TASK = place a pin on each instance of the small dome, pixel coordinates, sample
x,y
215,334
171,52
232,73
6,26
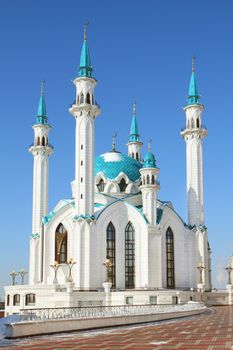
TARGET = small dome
x,y
113,163
149,161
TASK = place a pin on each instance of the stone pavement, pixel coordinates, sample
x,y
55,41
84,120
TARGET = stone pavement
x,y
212,330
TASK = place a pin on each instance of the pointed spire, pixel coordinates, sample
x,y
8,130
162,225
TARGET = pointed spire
x,y
193,96
114,136
134,135
41,112
85,68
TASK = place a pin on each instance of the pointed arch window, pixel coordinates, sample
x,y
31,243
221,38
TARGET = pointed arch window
x,y
170,258
148,179
137,156
38,141
198,123
129,256
101,185
122,185
88,98
110,252
43,141
61,244
81,98
153,180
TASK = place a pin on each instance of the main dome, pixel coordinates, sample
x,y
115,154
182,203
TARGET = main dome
x,y
113,163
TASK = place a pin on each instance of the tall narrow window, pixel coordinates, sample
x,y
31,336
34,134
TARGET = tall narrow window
x,y
137,156
88,98
129,256
61,244
122,185
43,141
198,123
101,185
110,252
153,179
147,179
170,258
38,141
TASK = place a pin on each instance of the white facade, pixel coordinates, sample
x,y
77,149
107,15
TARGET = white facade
x,y
114,212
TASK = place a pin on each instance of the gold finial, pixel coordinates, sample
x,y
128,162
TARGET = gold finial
x,y
193,63
134,108
149,145
114,141
85,30
42,87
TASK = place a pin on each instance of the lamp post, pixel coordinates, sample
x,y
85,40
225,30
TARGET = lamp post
x,y
70,263
108,264
228,268
55,267
200,268
13,274
22,273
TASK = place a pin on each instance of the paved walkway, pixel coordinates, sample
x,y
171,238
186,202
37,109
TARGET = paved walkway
x,y
212,330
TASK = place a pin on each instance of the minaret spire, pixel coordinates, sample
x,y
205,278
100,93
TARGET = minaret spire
x,y
41,112
193,96
134,144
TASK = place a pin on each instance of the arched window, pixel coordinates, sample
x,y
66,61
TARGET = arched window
x,y
30,299
81,98
38,141
170,258
129,256
8,300
153,179
110,251
148,179
198,123
61,244
43,141
122,185
132,155
88,98
137,156
16,300
101,185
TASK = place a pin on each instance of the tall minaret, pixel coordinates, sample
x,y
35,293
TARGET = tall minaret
x,y
134,144
85,109
193,134
41,150
149,187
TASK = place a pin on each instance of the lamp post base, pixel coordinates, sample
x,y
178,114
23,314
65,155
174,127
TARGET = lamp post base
x,y
200,287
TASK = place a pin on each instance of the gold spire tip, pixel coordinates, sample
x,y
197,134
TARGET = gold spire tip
x,y
193,63
134,108
85,30
42,87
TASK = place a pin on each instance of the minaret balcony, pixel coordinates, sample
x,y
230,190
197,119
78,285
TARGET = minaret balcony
x,y
202,131
76,108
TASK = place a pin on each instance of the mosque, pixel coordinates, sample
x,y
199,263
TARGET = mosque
x,y
113,241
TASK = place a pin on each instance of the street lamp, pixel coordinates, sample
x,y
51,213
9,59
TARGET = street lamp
x,y
108,264
55,267
22,273
70,263
228,268
200,268
13,274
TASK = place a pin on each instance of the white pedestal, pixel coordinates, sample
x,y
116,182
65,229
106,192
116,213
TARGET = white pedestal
x,y
70,287
107,287
200,287
229,287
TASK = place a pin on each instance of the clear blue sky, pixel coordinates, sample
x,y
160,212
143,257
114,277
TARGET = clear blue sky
x,y
141,50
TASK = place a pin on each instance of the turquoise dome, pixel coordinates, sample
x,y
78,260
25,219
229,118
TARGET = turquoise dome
x,y
113,163
149,161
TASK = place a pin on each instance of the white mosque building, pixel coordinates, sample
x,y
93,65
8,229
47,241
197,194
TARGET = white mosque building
x,y
114,213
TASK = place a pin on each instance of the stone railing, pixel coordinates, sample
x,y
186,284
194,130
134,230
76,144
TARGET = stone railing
x,y
103,311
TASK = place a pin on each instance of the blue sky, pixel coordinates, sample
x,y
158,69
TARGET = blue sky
x,y
141,50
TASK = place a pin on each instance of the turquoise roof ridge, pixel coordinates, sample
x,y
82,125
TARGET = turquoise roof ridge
x,y
111,164
134,134
149,160
41,112
85,68
193,96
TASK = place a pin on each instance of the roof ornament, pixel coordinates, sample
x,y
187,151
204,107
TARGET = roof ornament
x,y
134,108
193,63
42,87
85,30
149,145
114,142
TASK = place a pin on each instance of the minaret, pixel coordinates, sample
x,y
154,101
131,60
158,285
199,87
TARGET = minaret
x,y
85,109
41,150
134,144
194,134
149,187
